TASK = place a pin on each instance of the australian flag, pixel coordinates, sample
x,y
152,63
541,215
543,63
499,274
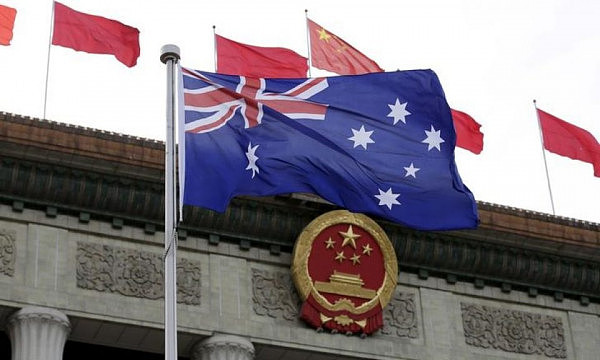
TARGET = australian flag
x,y
380,143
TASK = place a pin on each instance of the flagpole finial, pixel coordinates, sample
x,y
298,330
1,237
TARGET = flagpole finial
x,y
534,101
169,52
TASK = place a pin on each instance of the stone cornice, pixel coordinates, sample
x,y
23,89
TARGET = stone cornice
x,y
73,169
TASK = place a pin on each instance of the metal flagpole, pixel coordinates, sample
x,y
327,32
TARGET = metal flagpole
x,y
48,58
308,42
544,154
169,55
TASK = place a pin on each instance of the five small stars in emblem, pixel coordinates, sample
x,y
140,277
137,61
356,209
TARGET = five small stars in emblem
x,y
349,239
433,139
361,137
398,112
252,158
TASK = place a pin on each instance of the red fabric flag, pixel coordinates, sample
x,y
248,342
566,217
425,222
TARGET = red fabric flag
x,y
235,58
568,140
95,34
7,21
468,135
329,52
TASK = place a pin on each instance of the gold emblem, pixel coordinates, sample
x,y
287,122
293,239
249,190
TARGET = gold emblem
x,y
345,263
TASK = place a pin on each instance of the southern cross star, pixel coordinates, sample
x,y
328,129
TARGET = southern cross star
x,y
433,139
398,112
388,198
252,158
361,137
411,170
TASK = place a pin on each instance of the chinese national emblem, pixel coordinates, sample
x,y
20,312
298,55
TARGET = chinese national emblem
x,y
345,270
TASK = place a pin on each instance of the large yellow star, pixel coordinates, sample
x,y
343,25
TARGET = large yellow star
x,y
323,35
349,237
329,243
355,259
340,256
367,249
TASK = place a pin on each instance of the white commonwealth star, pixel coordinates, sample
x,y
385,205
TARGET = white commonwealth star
x,y
433,139
398,112
411,170
252,158
361,137
388,198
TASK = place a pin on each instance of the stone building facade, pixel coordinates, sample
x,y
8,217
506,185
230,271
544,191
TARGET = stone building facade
x,y
81,252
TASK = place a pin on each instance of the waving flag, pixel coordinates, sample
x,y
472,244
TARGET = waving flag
x,y
235,58
379,143
7,21
95,34
568,140
329,52
468,135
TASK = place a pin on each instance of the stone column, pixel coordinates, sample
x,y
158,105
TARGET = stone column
x,y
38,333
223,347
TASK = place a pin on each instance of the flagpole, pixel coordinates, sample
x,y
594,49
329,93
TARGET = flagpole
x,y
170,56
48,59
215,45
308,42
544,154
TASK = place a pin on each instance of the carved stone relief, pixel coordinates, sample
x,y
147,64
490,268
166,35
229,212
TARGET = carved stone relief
x,y
400,317
132,272
8,252
274,295
513,331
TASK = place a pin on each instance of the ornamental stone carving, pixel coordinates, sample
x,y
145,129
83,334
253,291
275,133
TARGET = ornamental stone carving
x,y
513,331
273,295
7,252
400,317
132,272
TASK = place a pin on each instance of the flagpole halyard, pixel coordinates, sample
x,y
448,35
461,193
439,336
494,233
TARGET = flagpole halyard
x,y
544,155
170,56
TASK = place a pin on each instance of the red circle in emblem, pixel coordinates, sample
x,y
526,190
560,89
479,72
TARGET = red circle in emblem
x,y
345,261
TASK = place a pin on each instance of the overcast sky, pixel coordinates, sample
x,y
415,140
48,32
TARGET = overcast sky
x,y
493,59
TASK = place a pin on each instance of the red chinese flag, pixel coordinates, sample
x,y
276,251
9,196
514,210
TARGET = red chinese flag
x,y
568,140
468,135
235,58
329,52
7,21
95,34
